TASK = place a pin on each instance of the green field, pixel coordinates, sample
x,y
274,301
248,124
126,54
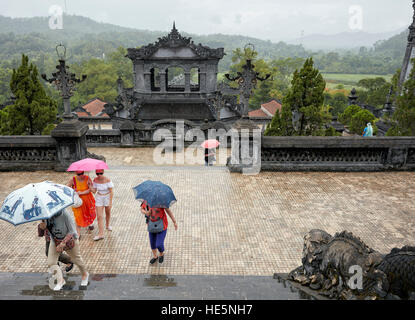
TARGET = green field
x,y
351,79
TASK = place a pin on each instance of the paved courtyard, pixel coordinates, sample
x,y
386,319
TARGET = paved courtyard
x,y
229,224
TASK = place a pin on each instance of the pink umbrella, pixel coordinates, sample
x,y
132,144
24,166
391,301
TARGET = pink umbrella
x,y
210,144
87,164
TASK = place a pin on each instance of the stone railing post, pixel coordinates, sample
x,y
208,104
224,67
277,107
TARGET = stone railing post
x,y
70,136
127,134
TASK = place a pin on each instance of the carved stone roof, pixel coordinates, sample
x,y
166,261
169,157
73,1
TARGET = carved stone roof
x,y
174,40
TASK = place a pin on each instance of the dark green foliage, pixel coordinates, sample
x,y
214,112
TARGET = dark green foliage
x,y
346,117
376,90
337,102
305,95
359,121
404,115
330,131
33,112
357,118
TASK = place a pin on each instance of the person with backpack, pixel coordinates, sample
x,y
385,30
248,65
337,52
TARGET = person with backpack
x,y
64,237
157,223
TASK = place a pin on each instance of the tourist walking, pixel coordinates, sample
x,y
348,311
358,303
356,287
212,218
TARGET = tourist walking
x,y
63,257
64,237
368,132
103,189
210,150
157,216
85,214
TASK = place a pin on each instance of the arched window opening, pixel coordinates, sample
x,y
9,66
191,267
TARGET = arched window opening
x,y
175,79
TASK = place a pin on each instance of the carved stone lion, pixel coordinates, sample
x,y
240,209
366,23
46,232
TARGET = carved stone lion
x,y
344,267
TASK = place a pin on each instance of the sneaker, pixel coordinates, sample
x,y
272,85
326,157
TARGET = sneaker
x,y
59,286
84,283
109,228
161,259
153,260
97,238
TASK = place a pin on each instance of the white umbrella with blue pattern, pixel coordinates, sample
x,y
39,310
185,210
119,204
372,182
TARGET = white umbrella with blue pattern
x,y
36,201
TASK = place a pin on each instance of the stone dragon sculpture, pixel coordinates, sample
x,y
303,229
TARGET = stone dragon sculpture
x,y
344,267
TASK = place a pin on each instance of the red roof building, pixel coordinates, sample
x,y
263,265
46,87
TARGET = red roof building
x,y
267,110
93,108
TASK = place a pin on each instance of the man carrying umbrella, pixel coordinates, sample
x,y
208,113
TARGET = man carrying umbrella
x,y
47,201
64,237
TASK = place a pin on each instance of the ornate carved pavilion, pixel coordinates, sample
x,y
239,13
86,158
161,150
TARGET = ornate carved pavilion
x,y
174,79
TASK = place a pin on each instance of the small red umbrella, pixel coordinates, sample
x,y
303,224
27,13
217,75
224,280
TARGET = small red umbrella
x,y
210,144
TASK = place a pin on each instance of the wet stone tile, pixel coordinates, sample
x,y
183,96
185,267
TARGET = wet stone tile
x,y
229,224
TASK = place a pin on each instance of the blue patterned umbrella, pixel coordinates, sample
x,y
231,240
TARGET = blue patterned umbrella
x,y
36,201
155,193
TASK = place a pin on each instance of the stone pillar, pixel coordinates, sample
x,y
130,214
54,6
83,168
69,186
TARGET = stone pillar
x,y
70,136
163,83
139,83
147,81
245,147
187,81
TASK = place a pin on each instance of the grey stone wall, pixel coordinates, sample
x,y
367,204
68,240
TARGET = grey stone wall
x,y
27,153
337,153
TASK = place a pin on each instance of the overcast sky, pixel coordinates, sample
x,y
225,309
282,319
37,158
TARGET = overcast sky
x,y
265,19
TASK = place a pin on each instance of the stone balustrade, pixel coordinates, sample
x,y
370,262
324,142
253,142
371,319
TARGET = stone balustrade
x,y
337,153
28,153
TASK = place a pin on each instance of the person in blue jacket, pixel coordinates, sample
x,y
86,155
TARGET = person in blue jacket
x,y
368,132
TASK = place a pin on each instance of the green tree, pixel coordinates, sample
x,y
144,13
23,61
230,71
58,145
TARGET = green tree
x,y
337,102
404,116
101,82
280,124
359,121
306,95
5,75
33,112
346,117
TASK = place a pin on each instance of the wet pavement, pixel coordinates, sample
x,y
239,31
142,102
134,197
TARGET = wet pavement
x,y
231,226
34,286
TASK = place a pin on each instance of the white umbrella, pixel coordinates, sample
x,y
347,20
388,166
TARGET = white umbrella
x,y
36,201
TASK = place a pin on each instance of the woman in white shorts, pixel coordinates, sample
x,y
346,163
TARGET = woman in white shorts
x,y
103,187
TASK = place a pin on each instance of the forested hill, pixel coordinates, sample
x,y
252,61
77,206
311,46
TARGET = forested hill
x,y
393,47
71,23
86,39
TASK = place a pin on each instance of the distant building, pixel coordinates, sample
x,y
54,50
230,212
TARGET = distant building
x,y
263,115
93,113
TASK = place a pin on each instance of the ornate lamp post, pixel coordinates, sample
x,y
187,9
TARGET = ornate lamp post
x,y
70,134
247,80
64,82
